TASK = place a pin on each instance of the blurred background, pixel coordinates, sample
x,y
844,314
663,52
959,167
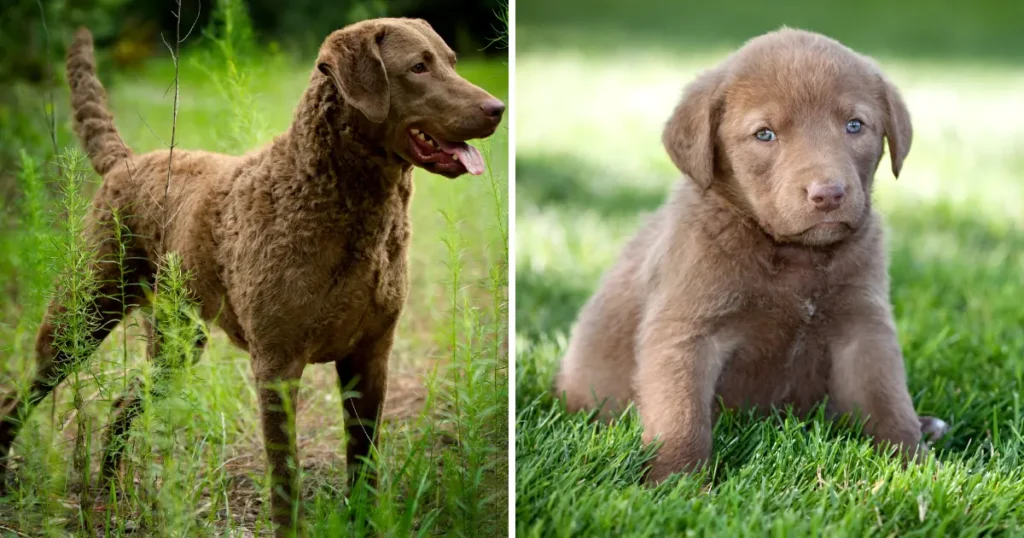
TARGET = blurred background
x,y
130,28
241,71
595,82
128,35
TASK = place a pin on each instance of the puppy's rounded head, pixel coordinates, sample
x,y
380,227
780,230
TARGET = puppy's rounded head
x,y
790,129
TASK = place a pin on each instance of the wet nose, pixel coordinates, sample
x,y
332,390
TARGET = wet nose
x,y
826,196
493,108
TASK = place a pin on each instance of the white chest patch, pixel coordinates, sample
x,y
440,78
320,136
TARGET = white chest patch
x,y
809,308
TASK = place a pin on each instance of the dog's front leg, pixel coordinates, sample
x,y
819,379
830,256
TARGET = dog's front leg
x,y
868,378
365,372
277,383
677,370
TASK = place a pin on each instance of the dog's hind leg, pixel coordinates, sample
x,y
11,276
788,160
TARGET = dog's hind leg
x,y
131,404
365,372
54,362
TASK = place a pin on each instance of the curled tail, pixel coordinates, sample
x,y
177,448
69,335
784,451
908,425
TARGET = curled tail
x,y
94,124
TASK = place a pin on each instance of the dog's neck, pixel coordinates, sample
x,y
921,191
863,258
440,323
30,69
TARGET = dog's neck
x,y
334,140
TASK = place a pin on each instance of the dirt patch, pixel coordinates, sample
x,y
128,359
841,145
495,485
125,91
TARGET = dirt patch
x,y
321,441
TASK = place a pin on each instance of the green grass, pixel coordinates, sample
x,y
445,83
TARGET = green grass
x,y
593,91
195,460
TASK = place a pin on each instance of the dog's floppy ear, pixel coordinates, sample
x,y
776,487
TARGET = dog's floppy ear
x,y
689,136
352,59
898,130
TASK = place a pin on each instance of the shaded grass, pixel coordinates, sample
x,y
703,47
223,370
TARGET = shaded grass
x,y
197,456
587,175
932,31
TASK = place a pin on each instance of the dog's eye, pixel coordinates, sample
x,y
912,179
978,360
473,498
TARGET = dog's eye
x,y
765,135
854,126
419,68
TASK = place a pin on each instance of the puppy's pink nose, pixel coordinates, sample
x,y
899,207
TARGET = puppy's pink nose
x,y
493,108
826,196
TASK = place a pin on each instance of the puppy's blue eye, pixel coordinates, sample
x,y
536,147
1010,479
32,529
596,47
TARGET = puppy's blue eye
x,y
854,126
765,135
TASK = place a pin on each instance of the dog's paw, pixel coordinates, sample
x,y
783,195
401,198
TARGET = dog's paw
x,y
663,468
932,429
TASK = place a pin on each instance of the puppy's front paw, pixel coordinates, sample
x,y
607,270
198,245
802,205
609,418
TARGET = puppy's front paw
x,y
932,429
660,471
666,464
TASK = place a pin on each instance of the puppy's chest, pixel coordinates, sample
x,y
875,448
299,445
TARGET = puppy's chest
x,y
782,356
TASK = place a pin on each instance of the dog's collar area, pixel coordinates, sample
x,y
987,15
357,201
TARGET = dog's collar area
x,y
780,254
365,148
350,128
799,256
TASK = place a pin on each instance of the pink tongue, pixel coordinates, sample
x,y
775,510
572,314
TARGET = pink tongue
x,y
470,157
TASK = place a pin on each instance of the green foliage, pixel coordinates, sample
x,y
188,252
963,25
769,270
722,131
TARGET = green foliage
x,y
33,227
231,31
309,21
175,319
75,254
21,30
24,132
231,63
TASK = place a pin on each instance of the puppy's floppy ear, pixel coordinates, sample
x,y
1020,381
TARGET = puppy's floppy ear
x,y
689,136
898,130
352,59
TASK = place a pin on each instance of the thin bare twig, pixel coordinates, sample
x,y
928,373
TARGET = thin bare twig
x,y
51,114
174,118
199,9
175,56
15,531
129,163
175,214
170,157
169,86
146,123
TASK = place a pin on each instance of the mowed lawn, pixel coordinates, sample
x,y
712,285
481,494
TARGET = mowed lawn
x,y
197,460
593,94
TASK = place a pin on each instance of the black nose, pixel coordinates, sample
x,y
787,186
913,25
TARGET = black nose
x,y
493,108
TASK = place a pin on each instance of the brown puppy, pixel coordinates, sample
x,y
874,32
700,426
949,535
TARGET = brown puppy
x,y
763,280
298,249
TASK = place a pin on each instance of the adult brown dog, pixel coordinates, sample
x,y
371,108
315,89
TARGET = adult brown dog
x,y
763,280
299,249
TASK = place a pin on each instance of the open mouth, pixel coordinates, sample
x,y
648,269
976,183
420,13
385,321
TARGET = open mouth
x,y
444,157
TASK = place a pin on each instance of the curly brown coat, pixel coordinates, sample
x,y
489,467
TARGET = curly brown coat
x,y
298,250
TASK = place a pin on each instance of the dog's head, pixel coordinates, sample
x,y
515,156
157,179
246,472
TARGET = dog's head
x,y
790,129
400,74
